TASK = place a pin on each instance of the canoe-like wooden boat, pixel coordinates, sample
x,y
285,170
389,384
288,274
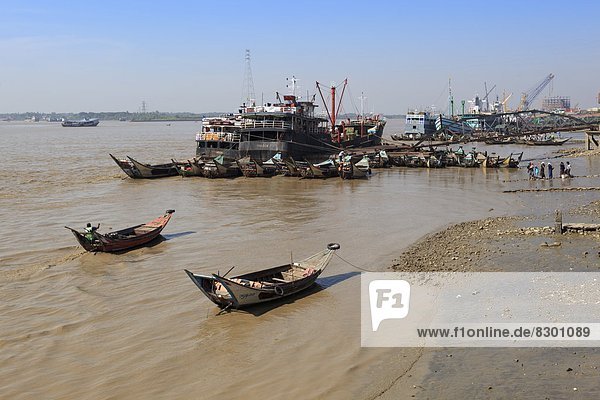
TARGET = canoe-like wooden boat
x,y
251,168
192,167
547,142
353,167
138,170
322,170
123,239
221,167
265,285
510,161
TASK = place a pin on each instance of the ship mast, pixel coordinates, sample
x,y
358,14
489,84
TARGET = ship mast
x,y
334,109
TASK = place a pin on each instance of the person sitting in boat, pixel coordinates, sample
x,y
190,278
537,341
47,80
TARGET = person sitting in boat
x,y
89,231
460,151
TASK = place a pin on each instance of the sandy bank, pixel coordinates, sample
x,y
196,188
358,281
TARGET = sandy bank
x,y
504,244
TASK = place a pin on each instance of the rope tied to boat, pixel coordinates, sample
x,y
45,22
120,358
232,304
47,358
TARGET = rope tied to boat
x,y
352,265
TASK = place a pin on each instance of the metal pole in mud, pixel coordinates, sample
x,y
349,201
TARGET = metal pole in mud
x,y
558,225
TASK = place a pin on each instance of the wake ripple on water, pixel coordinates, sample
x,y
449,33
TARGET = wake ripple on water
x,y
8,274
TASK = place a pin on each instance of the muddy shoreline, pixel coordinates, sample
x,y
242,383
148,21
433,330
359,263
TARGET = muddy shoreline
x,y
524,243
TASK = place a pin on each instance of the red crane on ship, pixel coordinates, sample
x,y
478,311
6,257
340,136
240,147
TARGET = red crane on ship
x,y
335,109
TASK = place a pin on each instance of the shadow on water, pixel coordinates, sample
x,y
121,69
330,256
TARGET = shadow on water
x,y
321,284
335,279
178,234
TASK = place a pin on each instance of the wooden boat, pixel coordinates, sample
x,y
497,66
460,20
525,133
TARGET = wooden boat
x,y
434,162
499,140
380,160
325,169
221,167
490,161
354,167
510,162
123,239
265,285
251,168
547,142
190,168
138,170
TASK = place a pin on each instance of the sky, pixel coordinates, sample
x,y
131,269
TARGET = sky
x,y
73,56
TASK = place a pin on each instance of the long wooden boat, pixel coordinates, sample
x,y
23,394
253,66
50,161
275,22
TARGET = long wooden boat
x,y
322,170
220,167
251,168
138,170
265,285
123,239
353,167
190,168
547,142
510,161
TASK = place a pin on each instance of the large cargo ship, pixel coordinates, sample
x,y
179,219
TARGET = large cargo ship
x,y
289,126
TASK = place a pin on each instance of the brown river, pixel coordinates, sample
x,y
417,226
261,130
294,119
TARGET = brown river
x,y
105,326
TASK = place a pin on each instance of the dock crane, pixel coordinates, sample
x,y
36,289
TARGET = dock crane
x,y
527,98
485,98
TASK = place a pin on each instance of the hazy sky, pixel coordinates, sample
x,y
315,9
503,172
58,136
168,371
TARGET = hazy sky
x,y
189,56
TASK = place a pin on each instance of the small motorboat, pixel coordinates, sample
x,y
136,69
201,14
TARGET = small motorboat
x,y
265,285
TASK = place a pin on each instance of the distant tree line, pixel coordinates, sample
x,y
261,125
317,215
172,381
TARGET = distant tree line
x,y
116,116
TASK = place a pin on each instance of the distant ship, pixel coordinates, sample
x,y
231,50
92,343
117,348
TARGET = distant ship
x,y
83,122
289,126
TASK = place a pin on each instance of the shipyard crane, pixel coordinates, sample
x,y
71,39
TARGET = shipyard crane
x,y
485,98
504,106
527,98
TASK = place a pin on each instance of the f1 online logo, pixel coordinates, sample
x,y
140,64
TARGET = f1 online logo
x,y
389,299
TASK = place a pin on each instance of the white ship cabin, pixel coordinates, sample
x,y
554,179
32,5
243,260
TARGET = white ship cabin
x,y
286,115
418,124
225,128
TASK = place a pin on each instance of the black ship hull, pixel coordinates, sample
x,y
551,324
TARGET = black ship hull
x,y
310,148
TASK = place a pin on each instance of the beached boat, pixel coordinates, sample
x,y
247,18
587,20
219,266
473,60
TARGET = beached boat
x,y
123,239
83,122
547,142
265,285
138,170
500,140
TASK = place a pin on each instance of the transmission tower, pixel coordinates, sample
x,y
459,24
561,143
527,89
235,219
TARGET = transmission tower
x,y
143,107
248,97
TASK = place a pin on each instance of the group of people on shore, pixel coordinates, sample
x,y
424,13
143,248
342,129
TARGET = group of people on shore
x,y
539,171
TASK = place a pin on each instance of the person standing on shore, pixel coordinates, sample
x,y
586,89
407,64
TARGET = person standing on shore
x,y
536,171
530,170
568,170
542,170
550,168
562,169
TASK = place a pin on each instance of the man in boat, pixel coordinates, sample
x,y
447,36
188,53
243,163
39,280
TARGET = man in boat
x,y
89,231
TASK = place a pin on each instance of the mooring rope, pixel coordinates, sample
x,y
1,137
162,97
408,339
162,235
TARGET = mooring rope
x,y
352,265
